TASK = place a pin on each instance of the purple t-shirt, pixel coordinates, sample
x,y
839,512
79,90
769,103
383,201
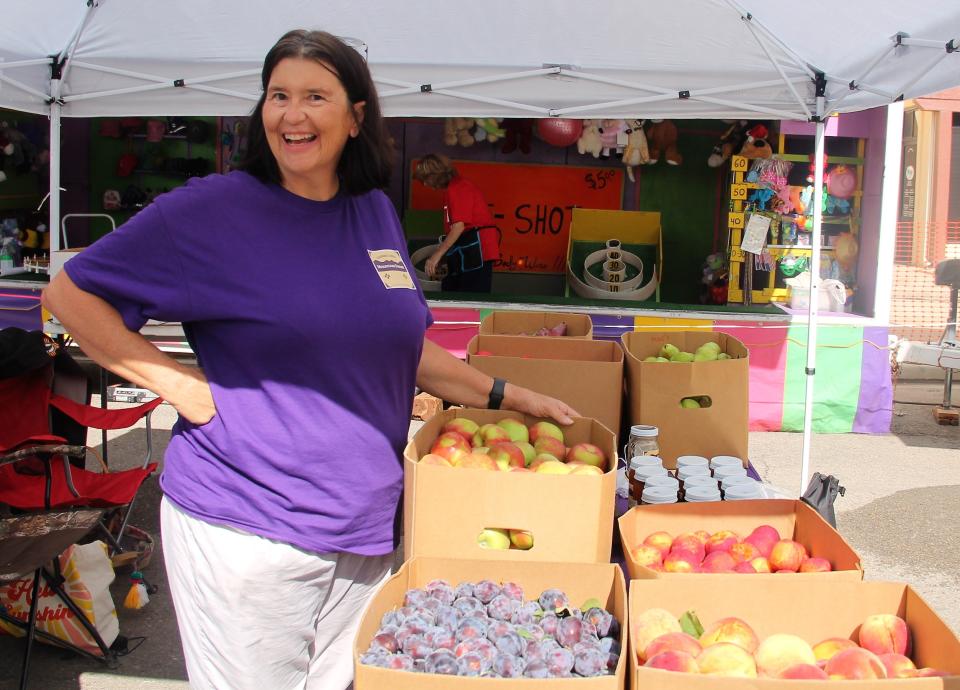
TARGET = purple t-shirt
x,y
311,357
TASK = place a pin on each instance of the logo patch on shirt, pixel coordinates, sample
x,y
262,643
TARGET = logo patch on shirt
x,y
391,269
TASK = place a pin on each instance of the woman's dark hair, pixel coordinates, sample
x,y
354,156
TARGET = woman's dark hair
x,y
367,160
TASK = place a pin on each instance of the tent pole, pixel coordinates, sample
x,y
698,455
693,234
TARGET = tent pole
x,y
814,296
54,201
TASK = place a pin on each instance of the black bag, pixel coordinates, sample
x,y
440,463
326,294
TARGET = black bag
x,y
821,494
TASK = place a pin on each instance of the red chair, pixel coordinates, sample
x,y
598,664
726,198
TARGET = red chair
x,y
48,500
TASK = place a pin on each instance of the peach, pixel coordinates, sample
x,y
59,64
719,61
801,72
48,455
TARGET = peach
x,y
541,429
721,541
516,429
476,461
744,552
488,434
680,563
744,568
673,661
884,632
434,459
761,565
726,659
689,545
587,453
463,426
786,554
815,565
825,649
650,625
673,642
718,562
521,539
803,672
506,455
855,664
646,555
551,446
660,541
553,467
732,631
763,537
780,651
897,665
703,535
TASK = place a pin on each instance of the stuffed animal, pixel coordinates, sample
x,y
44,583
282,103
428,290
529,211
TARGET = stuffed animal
x,y
662,141
17,147
636,152
610,131
519,134
488,129
730,141
589,141
756,144
456,130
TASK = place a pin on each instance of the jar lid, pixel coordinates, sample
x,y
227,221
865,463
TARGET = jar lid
x,y
729,471
692,461
638,461
658,495
741,491
644,472
643,430
662,480
702,492
718,460
699,480
736,479
685,473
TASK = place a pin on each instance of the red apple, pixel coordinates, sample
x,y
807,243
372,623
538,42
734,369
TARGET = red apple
x,y
450,445
540,429
587,453
506,455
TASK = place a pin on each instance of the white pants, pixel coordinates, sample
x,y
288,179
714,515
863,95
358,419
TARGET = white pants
x,y
261,615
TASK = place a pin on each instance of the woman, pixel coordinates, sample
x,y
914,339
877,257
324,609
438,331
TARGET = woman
x,y
472,241
282,478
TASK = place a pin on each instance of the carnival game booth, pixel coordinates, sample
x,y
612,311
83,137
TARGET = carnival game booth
x,y
728,61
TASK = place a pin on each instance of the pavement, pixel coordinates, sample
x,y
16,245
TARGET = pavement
x,y
899,513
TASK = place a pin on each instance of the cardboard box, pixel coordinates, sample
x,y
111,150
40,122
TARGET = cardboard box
x,y
809,608
529,322
793,519
655,390
585,374
60,257
581,581
445,509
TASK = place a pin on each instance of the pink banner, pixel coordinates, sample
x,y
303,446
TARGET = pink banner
x,y
452,329
768,353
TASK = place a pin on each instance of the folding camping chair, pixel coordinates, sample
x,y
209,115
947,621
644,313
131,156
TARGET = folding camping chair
x,y
49,498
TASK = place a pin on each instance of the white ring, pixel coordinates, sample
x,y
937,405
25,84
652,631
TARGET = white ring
x,y
427,283
601,255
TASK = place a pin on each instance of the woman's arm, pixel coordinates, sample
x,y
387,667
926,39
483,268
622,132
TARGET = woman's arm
x,y
99,330
443,375
453,234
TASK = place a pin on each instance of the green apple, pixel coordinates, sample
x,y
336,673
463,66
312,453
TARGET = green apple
x,y
669,350
494,538
545,429
463,426
689,403
488,434
682,357
528,452
588,454
515,428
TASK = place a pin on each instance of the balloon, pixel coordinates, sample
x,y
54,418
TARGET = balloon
x,y
559,131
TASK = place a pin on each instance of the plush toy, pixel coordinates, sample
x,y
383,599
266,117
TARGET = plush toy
x,y
519,134
488,129
730,141
756,144
589,141
17,147
456,130
610,131
636,152
714,280
662,141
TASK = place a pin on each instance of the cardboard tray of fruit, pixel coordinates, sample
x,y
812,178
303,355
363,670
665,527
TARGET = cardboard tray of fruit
x,y
396,631
558,495
790,633
755,537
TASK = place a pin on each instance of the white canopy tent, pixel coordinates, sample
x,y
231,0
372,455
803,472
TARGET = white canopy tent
x,y
506,58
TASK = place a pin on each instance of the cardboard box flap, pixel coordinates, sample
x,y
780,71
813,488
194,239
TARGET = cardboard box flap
x,y
528,322
545,348
581,581
811,609
641,344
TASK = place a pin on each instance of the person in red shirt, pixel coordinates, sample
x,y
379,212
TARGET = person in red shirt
x,y
472,242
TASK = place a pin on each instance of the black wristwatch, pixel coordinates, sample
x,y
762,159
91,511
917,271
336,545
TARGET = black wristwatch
x,y
496,394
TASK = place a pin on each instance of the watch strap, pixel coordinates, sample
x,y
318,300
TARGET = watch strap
x,y
496,394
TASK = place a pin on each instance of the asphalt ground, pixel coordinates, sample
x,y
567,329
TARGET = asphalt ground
x,y
899,513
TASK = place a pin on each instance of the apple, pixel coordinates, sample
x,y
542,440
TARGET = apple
x,y
507,455
540,459
521,539
553,467
516,429
494,538
549,429
450,445
463,426
433,459
528,452
476,461
551,446
489,433
588,454
668,351
580,468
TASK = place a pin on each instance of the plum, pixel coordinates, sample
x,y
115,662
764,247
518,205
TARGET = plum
x,y
549,623
399,662
591,662
509,643
468,606
447,617
529,612
569,631
512,590
602,620
374,657
486,590
416,646
559,662
464,589
502,607
385,641
471,627
440,638
509,666
536,669
394,618
470,664
414,597
553,599
442,661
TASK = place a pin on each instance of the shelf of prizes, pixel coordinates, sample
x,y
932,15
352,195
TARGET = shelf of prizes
x,y
530,586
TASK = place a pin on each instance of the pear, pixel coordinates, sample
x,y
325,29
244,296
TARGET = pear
x,y
724,355
689,403
704,356
682,357
668,350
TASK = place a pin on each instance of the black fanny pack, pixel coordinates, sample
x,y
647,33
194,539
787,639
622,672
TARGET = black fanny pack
x,y
466,254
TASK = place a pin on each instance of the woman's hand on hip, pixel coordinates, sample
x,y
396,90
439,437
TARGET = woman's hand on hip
x,y
194,399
